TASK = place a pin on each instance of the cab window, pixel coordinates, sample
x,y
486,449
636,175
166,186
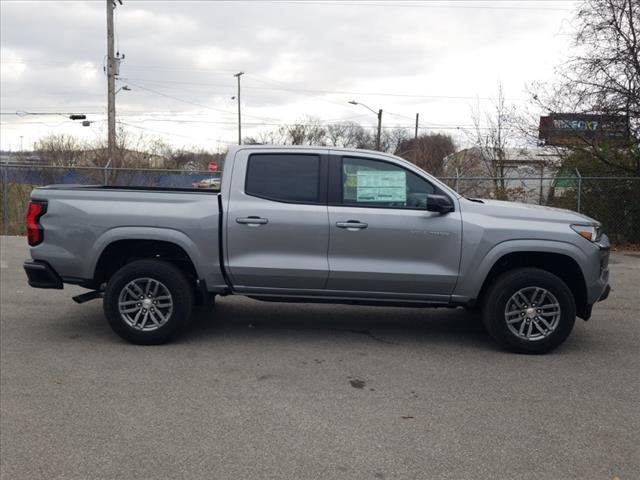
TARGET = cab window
x,y
374,183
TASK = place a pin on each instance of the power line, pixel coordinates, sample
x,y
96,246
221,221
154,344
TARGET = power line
x,y
263,124
418,5
190,102
335,92
93,66
173,133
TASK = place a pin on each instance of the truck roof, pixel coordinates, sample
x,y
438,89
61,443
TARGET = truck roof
x,y
235,148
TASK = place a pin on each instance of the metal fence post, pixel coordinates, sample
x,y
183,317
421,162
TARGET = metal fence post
x,y
579,188
457,180
105,173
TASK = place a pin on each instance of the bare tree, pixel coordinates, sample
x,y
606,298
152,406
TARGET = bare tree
x,y
309,131
602,77
348,135
391,139
60,150
492,135
428,151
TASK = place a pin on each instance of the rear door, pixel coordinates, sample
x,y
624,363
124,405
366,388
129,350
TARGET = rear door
x,y
382,238
277,220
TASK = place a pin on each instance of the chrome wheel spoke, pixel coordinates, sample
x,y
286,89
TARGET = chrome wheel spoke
x,y
542,298
537,325
522,325
534,296
137,287
129,310
544,322
135,319
144,320
128,302
516,299
152,315
162,317
550,309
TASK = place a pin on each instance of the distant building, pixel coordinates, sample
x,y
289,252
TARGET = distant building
x,y
527,172
22,158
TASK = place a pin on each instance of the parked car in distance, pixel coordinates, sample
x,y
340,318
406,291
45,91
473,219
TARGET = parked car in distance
x,y
212,183
318,224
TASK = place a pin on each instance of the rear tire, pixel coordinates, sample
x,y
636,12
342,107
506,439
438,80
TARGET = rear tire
x,y
529,310
148,302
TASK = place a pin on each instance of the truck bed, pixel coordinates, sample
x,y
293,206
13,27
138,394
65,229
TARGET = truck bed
x,y
83,220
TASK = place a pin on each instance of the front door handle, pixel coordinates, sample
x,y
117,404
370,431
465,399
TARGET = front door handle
x,y
252,221
352,225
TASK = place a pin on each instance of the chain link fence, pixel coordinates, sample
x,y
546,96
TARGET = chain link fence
x,y
614,201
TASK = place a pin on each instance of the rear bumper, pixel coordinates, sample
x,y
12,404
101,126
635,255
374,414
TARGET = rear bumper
x,y
42,275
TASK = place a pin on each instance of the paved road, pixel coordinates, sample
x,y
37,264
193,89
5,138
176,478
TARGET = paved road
x,y
258,390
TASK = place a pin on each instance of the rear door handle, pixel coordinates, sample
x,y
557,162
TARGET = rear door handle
x,y
352,225
252,221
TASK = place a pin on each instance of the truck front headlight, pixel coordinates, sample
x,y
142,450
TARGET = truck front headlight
x,y
591,232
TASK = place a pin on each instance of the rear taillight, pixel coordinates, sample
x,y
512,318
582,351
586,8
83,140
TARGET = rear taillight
x,y
35,232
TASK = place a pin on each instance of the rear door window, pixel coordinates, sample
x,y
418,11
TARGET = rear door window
x,y
292,178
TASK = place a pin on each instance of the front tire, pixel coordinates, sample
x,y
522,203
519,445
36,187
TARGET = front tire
x,y
148,302
529,310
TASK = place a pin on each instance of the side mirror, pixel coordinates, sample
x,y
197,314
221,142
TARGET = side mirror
x,y
439,203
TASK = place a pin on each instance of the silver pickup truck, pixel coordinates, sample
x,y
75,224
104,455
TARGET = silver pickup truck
x,y
318,224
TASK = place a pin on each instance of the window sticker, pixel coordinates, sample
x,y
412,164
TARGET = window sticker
x,y
381,186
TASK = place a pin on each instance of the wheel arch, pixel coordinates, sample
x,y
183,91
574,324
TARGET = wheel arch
x,y
561,265
560,258
119,246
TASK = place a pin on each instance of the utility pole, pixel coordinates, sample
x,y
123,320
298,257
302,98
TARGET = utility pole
x,y
238,75
415,141
379,129
111,87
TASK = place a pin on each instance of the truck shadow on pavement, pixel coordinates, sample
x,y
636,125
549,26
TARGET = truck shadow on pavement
x,y
241,317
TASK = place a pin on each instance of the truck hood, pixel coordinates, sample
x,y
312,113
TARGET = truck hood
x,y
520,211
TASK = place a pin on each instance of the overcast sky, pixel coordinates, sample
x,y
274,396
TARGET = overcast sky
x,y
440,59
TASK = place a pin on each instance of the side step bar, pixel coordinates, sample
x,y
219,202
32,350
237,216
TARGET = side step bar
x,y
85,297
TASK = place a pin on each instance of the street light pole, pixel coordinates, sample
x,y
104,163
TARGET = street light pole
x,y
379,115
238,75
111,87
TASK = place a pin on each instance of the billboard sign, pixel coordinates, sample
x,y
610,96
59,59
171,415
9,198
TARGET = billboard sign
x,y
574,129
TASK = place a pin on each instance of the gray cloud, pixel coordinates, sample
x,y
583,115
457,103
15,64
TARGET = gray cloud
x,y
53,53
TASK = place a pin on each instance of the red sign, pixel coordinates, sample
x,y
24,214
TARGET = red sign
x,y
213,167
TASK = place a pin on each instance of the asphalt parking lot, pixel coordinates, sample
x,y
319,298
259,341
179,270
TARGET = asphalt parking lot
x,y
261,390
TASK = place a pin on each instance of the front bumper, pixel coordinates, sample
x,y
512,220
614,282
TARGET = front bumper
x,y
42,275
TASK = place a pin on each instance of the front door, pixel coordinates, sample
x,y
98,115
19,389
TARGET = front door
x,y
277,221
382,238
